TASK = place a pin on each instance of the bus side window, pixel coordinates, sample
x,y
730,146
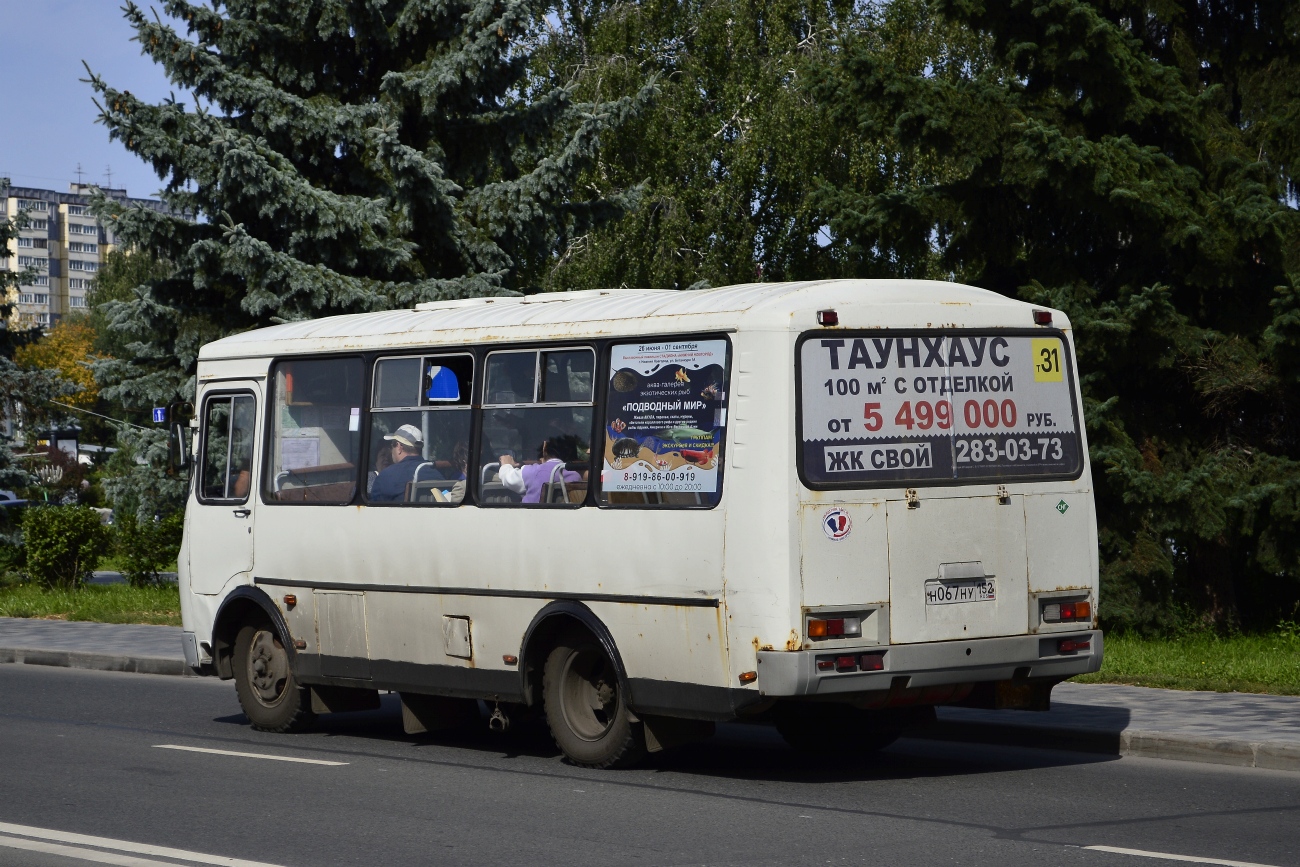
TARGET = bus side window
x,y
226,464
535,444
315,432
665,422
419,430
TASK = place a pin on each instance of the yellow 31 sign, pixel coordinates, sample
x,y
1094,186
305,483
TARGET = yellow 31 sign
x,y
1046,353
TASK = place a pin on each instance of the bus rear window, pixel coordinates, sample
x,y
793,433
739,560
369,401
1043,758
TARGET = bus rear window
x,y
934,407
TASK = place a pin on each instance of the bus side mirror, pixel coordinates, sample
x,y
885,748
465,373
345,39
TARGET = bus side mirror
x,y
178,453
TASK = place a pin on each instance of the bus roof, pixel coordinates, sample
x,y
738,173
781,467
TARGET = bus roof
x,y
628,312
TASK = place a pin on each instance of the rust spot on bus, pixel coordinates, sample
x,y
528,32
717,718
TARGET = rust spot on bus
x,y
792,643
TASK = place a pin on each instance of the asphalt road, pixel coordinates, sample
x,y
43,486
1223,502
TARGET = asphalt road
x,y
90,772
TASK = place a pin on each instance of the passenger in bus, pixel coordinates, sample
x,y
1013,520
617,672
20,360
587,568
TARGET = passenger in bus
x,y
460,471
383,460
390,484
528,479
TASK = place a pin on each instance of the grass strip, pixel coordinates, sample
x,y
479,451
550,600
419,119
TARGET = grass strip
x,y
1267,663
108,603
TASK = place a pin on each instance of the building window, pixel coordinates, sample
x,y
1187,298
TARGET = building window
x,y
37,226
33,262
42,319
31,205
79,247
41,280
76,283
81,229
25,242
78,265
33,298
76,210
76,301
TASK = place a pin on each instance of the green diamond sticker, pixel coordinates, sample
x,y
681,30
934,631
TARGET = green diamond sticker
x,y
1062,506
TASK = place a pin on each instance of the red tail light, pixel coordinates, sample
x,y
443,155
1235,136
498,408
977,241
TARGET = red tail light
x,y
1073,645
872,662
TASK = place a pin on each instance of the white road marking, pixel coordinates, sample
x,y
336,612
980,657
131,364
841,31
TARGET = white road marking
x,y
82,854
1194,859
48,834
247,755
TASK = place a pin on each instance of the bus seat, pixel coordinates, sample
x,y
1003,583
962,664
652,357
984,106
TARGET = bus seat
x,y
426,492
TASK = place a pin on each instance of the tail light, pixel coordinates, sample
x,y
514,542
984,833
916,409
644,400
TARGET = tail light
x,y
836,627
872,662
1066,612
1073,645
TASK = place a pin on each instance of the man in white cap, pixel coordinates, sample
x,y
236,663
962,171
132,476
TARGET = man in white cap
x,y
390,484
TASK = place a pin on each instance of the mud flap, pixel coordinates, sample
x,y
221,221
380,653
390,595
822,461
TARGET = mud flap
x,y
665,732
340,699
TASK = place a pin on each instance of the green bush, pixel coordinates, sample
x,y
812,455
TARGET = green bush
x,y
64,544
147,548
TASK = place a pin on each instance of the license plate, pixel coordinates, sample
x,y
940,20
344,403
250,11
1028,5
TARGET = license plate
x,y
953,592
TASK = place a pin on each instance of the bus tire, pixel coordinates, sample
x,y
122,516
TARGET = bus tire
x,y
270,695
825,729
586,708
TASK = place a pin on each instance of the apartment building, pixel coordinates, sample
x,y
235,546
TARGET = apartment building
x,y
63,242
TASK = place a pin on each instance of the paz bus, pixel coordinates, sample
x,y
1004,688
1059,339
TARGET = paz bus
x,y
831,506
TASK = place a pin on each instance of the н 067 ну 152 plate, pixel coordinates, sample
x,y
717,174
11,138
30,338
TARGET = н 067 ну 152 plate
x,y
952,592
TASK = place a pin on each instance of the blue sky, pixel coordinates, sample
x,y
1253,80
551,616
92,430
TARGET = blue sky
x,y
48,119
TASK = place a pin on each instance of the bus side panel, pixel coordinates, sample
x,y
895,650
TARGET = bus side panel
x,y
761,505
584,554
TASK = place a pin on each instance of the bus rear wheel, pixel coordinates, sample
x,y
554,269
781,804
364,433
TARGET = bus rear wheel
x,y
586,709
268,692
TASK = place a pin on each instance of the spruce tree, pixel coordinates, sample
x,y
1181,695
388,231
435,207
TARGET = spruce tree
x,y
341,156
1101,157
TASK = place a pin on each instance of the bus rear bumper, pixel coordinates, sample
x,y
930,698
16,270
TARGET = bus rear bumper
x,y
942,663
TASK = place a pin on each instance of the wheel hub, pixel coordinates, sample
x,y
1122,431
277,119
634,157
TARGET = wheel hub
x,y
589,695
268,667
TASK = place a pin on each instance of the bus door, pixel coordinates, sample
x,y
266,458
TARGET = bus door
x,y
221,514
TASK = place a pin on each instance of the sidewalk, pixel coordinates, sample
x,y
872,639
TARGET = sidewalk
x,y
1233,728
1253,731
101,646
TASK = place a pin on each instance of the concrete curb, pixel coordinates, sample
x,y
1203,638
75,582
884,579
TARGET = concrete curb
x,y
1175,746
96,661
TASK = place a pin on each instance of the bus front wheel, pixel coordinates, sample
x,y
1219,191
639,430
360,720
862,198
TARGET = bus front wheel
x,y
268,692
586,709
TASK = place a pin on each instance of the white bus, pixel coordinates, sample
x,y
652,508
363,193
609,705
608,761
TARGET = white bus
x,y
831,505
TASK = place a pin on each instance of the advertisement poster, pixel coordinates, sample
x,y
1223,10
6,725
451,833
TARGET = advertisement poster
x,y
962,406
666,416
